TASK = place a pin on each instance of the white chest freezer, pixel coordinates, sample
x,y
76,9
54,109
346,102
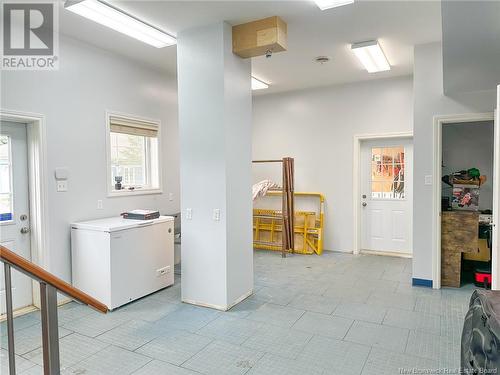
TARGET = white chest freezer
x,y
118,260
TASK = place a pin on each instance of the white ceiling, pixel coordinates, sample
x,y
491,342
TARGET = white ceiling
x,y
398,25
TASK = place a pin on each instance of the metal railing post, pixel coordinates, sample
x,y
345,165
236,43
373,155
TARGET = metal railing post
x,y
50,331
10,319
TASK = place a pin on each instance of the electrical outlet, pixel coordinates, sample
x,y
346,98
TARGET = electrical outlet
x,y
99,204
163,271
189,213
62,185
216,214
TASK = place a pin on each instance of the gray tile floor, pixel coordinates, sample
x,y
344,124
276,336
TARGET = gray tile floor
x,y
334,314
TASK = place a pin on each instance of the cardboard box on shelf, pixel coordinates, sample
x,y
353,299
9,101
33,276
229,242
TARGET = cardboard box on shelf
x,y
482,254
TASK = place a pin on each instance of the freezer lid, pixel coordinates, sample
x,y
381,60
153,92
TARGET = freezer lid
x,y
113,224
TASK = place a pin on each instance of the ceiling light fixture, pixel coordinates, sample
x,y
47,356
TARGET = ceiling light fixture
x,y
107,15
257,84
371,56
328,4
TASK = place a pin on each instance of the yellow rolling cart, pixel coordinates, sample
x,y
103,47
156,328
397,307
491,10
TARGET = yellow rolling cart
x,y
267,227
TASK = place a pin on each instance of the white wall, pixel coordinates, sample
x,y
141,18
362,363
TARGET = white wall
x,y
470,145
316,127
74,100
470,29
429,102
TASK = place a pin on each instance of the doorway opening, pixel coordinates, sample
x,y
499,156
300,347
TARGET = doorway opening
x,y
23,199
383,194
465,192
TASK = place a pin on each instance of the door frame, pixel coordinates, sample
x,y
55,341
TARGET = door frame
x,y
439,121
38,193
356,183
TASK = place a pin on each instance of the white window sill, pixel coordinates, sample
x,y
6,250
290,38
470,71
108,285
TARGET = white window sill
x,y
7,222
127,193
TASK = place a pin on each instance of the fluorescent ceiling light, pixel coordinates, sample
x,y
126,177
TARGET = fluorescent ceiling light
x,y
328,4
120,21
257,84
371,56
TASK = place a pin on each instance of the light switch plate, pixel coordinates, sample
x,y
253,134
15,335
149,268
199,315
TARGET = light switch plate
x,y
62,185
216,214
428,179
61,173
189,213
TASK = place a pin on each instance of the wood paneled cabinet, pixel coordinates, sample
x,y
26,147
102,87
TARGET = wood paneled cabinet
x,y
257,38
459,234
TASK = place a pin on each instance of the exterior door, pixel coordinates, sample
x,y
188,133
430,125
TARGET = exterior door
x,y
14,208
387,195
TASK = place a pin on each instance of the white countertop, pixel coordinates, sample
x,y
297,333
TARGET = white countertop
x,y
111,224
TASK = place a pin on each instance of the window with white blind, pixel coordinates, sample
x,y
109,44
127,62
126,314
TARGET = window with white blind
x,y
133,155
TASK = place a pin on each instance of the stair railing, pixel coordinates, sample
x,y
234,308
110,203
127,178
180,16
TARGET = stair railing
x,y
49,286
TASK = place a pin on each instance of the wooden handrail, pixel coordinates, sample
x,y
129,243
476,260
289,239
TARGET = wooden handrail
x,y
36,272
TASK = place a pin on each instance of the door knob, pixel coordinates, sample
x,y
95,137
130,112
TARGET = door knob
x,y
25,230
364,204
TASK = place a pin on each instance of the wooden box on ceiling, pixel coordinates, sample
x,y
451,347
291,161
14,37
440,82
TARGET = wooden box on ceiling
x,y
257,38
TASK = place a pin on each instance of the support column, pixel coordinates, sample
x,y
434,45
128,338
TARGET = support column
x,y
215,109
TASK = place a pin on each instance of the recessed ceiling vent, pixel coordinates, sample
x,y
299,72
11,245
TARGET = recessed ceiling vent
x,y
322,59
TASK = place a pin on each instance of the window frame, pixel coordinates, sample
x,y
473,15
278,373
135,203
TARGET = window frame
x,y
142,191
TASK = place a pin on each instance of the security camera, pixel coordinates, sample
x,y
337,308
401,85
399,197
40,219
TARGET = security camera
x,y
269,53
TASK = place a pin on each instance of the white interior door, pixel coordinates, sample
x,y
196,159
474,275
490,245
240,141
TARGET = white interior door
x,y
495,258
14,208
387,195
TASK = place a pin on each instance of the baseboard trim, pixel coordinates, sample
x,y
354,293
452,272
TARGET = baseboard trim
x,y
19,312
421,282
240,299
338,251
218,307
387,253
28,309
64,300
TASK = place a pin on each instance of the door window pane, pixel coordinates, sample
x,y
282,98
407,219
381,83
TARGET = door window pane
x,y
5,179
387,172
4,148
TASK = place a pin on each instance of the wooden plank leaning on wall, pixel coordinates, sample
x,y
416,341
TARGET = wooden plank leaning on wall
x,y
287,204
